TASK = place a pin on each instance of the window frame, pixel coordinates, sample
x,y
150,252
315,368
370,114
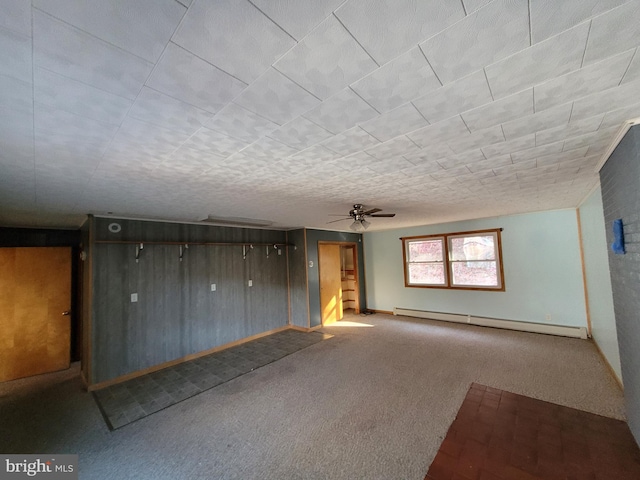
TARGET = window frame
x,y
448,262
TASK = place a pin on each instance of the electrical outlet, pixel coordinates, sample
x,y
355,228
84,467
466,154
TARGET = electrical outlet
x,y
213,287
251,283
134,297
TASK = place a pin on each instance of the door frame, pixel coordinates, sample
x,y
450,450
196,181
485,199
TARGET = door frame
x,y
356,270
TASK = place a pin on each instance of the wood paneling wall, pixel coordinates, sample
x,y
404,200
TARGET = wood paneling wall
x,y
177,314
298,289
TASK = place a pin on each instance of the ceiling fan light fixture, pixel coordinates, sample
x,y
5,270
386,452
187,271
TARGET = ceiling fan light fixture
x,y
365,224
356,226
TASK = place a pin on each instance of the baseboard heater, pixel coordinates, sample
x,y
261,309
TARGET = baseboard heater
x,y
561,330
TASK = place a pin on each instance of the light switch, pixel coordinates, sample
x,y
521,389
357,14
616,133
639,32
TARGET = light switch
x,y
134,297
251,283
213,287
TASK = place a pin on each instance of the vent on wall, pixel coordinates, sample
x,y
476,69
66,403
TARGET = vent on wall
x,y
560,330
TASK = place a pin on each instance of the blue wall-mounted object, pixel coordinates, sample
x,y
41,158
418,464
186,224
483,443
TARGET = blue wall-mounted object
x,y
618,235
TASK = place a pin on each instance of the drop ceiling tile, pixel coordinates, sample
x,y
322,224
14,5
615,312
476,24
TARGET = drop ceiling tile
x,y
580,83
550,17
234,36
300,133
388,166
615,118
121,23
551,118
613,32
462,159
402,120
425,168
473,5
440,132
573,129
237,122
277,98
500,111
465,94
326,60
16,15
515,167
316,153
452,172
144,140
16,95
341,112
266,149
605,101
67,51
297,18
478,139
406,77
535,152
633,73
16,130
157,108
393,148
15,55
210,141
475,41
551,58
510,146
186,77
388,28
590,138
63,93
599,148
490,163
351,141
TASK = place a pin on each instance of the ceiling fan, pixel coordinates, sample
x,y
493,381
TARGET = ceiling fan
x,y
358,214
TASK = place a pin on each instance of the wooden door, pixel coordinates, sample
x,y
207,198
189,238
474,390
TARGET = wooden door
x,y
330,282
35,301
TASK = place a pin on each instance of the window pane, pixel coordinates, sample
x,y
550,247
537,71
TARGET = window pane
x,y
426,273
475,274
425,251
478,247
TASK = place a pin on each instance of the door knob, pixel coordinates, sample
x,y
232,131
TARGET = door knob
x,y
65,313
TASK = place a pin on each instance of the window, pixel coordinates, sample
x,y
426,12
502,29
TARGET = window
x,y
466,260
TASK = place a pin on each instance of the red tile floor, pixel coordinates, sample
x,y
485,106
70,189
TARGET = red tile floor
x,y
499,435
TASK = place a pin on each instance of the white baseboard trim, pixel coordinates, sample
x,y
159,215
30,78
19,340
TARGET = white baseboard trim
x,y
560,330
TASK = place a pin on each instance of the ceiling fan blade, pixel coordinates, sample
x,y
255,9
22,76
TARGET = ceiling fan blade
x,y
339,220
336,215
383,215
373,210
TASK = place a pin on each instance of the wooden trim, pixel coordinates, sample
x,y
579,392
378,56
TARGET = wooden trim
x,y
452,233
385,312
356,279
584,274
606,362
304,329
231,244
306,276
193,356
289,322
87,320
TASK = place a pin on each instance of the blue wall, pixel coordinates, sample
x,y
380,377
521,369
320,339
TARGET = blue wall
x,y
542,271
596,264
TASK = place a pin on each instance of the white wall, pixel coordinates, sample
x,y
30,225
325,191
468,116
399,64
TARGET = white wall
x,y
596,263
542,271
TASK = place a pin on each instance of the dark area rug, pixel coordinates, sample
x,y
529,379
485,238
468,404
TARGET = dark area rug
x,y
134,399
499,435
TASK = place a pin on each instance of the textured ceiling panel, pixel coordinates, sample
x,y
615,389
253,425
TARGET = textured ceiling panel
x,y
157,108
473,5
477,139
465,94
589,138
616,118
68,51
551,118
402,120
500,111
475,41
613,32
145,140
550,17
393,148
351,141
433,153
580,83
186,77
440,132
296,17
515,145
605,101
535,152
209,141
16,15
234,36
15,55
633,73
562,53
407,77
326,60
16,95
240,123
466,158
341,112
573,129
300,133
122,23
490,163
277,98
388,28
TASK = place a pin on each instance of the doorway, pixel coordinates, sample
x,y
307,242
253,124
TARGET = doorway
x,y
338,272
35,328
